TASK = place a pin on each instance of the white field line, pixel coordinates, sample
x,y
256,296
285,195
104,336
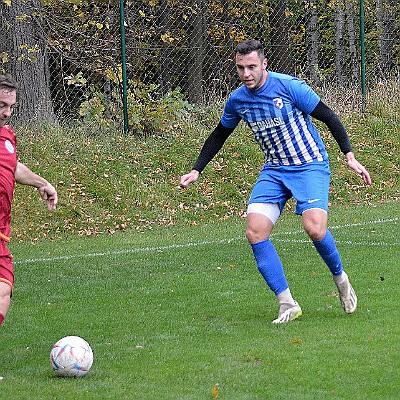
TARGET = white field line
x,y
283,238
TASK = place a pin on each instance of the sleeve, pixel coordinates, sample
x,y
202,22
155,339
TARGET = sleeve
x,y
230,117
324,114
212,145
304,97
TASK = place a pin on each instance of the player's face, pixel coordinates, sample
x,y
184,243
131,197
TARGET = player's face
x,y
251,70
7,101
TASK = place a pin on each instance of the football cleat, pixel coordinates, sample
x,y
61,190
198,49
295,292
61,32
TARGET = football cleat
x,y
288,315
347,295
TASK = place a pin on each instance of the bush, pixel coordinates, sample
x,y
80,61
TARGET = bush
x,y
148,113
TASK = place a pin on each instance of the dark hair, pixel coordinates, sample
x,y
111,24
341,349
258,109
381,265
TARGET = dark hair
x,y
8,82
248,46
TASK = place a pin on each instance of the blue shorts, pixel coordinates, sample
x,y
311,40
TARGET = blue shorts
x,y
308,184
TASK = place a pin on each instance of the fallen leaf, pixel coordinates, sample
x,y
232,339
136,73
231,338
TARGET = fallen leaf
x,y
215,391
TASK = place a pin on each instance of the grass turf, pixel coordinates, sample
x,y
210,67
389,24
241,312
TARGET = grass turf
x,y
173,311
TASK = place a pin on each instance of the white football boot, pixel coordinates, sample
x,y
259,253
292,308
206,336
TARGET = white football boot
x,y
347,295
289,314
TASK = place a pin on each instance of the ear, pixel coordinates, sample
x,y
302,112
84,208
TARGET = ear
x,y
265,63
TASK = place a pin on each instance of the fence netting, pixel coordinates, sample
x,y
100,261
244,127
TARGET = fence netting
x,y
186,47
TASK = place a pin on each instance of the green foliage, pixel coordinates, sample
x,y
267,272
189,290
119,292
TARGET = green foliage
x,y
148,112
93,110
109,182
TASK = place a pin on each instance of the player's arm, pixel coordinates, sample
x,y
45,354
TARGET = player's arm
x,y
324,114
25,176
211,147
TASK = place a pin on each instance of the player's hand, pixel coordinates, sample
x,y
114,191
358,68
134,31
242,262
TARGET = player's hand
x,y
358,168
49,194
189,178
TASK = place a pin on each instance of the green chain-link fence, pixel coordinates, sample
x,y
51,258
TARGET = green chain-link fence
x,y
187,48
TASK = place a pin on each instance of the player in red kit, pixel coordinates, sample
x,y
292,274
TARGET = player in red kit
x,y
11,171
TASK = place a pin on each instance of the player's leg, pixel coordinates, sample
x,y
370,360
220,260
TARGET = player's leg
x,y
6,265
6,284
315,224
313,221
5,293
261,219
259,228
312,204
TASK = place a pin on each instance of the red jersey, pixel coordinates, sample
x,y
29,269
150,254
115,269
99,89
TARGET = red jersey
x,y
8,164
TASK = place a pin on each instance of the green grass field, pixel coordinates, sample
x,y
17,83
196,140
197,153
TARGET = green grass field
x,y
173,311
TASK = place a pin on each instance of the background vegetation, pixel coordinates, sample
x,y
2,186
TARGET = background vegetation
x,y
108,182
68,55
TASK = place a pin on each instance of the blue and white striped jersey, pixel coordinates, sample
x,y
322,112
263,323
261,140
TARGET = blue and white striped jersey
x,y
278,115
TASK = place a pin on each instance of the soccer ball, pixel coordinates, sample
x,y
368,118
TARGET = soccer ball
x,y
71,357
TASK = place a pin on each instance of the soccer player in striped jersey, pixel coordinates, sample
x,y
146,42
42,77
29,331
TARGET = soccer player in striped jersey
x,y
277,108
11,171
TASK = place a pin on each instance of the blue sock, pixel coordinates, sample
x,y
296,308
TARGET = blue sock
x,y
328,251
270,265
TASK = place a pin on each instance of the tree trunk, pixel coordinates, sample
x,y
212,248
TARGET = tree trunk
x,y
164,73
226,53
355,68
280,57
195,85
386,19
340,45
312,46
27,60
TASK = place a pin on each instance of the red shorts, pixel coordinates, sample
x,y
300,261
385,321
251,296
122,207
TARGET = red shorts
x,y
6,265
7,270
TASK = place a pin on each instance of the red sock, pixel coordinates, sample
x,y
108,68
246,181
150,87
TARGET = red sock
x,y
1,319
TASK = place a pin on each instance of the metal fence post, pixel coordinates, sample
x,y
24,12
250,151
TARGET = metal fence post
x,y
123,60
362,49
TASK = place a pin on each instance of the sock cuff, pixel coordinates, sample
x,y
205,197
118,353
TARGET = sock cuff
x,y
285,297
261,243
327,245
328,236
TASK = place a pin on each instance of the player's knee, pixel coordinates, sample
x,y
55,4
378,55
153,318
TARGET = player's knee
x,y
251,234
315,232
4,304
257,232
315,222
5,292
261,218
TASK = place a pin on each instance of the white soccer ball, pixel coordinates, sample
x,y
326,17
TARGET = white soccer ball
x,y
71,357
